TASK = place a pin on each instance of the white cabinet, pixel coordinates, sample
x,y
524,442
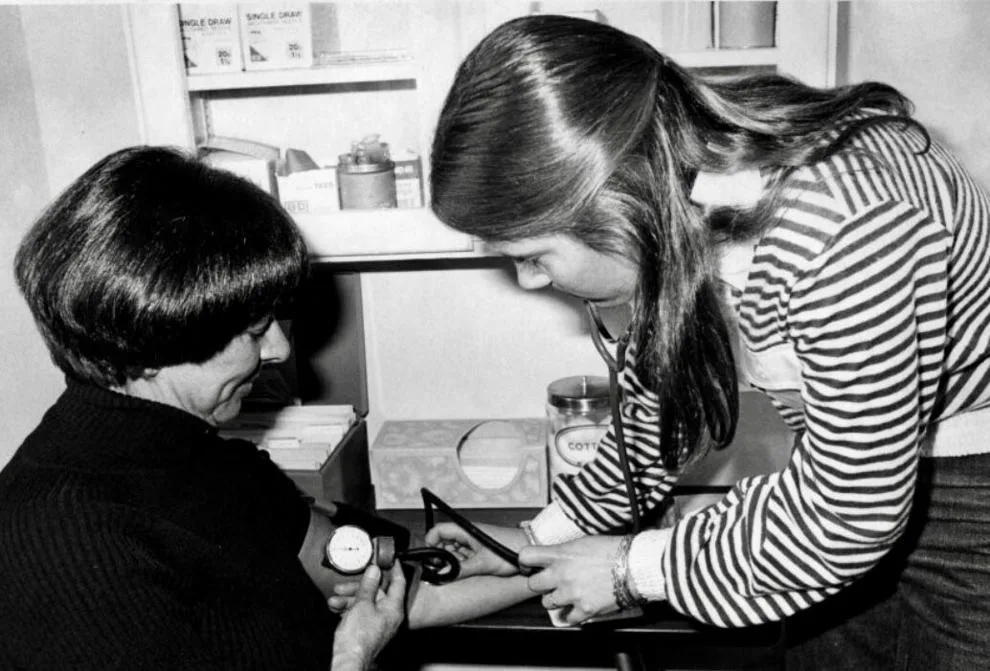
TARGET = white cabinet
x,y
323,108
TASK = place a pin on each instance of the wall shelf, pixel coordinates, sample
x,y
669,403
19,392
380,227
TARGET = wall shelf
x,y
303,108
391,234
314,76
727,58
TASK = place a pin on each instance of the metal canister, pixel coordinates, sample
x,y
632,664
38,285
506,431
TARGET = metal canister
x,y
578,416
365,185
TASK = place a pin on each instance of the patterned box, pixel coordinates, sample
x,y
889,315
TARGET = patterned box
x,y
467,463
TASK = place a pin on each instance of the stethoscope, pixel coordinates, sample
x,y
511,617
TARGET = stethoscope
x,y
599,336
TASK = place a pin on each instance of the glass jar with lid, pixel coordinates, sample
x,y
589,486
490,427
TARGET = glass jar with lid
x,y
578,416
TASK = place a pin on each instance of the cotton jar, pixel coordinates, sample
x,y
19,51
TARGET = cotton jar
x,y
578,415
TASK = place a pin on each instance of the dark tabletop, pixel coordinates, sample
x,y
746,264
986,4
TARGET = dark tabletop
x,y
523,634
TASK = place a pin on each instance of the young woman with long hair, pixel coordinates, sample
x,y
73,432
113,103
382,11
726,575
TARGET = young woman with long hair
x,y
815,243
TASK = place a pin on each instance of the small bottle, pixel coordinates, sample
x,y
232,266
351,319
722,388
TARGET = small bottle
x,y
578,416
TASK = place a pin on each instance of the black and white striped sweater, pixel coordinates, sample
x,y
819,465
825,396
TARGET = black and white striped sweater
x,y
864,314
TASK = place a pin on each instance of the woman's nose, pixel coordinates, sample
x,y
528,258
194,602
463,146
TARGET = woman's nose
x,y
530,278
275,346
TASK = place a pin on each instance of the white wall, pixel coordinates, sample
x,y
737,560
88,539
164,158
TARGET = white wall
x,y
938,53
469,344
65,101
452,343
28,382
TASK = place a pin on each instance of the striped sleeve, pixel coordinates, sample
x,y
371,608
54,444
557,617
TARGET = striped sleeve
x,y
877,279
596,498
867,317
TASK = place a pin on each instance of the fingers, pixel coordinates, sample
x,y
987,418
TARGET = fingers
x,y
397,584
446,533
542,581
388,593
338,604
394,597
370,581
539,556
343,596
348,589
564,612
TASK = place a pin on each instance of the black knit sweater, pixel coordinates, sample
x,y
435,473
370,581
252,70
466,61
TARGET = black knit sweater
x,y
133,537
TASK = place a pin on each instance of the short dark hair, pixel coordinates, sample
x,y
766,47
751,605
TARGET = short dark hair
x,y
152,258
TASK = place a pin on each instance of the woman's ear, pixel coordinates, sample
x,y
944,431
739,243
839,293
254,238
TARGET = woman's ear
x,y
149,373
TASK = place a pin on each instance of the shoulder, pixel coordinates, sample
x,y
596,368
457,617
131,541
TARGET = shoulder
x,y
838,203
81,540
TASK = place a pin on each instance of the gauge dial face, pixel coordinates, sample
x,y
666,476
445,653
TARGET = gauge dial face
x,y
349,549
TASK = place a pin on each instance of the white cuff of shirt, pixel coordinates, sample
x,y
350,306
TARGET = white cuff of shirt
x,y
552,526
645,560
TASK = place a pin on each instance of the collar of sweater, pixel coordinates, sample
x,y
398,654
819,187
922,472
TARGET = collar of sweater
x,y
739,189
93,426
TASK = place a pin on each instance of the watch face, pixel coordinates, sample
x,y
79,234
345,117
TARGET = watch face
x,y
349,549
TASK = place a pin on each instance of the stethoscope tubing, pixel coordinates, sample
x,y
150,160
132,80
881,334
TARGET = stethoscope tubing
x,y
615,364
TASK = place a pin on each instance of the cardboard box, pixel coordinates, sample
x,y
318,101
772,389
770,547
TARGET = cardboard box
x,y
309,192
276,35
211,38
299,437
257,170
467,463
408,180
345,475
323,448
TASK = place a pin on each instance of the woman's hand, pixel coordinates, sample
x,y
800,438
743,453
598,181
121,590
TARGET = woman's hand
x,y
576,576
475,558
370,621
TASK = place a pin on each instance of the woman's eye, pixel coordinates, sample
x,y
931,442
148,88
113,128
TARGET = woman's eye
x,y
258,331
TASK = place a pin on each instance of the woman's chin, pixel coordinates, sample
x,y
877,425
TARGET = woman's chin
x,y
227,411
606,303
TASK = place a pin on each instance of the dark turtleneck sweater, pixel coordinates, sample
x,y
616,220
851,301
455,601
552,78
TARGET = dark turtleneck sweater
x,y
133,537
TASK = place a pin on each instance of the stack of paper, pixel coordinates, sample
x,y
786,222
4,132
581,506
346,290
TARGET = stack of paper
x,y
300,437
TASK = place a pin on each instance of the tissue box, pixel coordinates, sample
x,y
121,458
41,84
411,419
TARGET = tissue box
x,y
467,463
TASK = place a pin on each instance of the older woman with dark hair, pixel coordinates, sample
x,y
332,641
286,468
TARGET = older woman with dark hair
x,y
133,535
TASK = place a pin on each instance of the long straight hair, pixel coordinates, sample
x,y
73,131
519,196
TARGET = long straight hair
x,y
556,125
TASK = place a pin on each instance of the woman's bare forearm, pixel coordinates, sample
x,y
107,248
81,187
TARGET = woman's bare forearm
x,y
465,599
